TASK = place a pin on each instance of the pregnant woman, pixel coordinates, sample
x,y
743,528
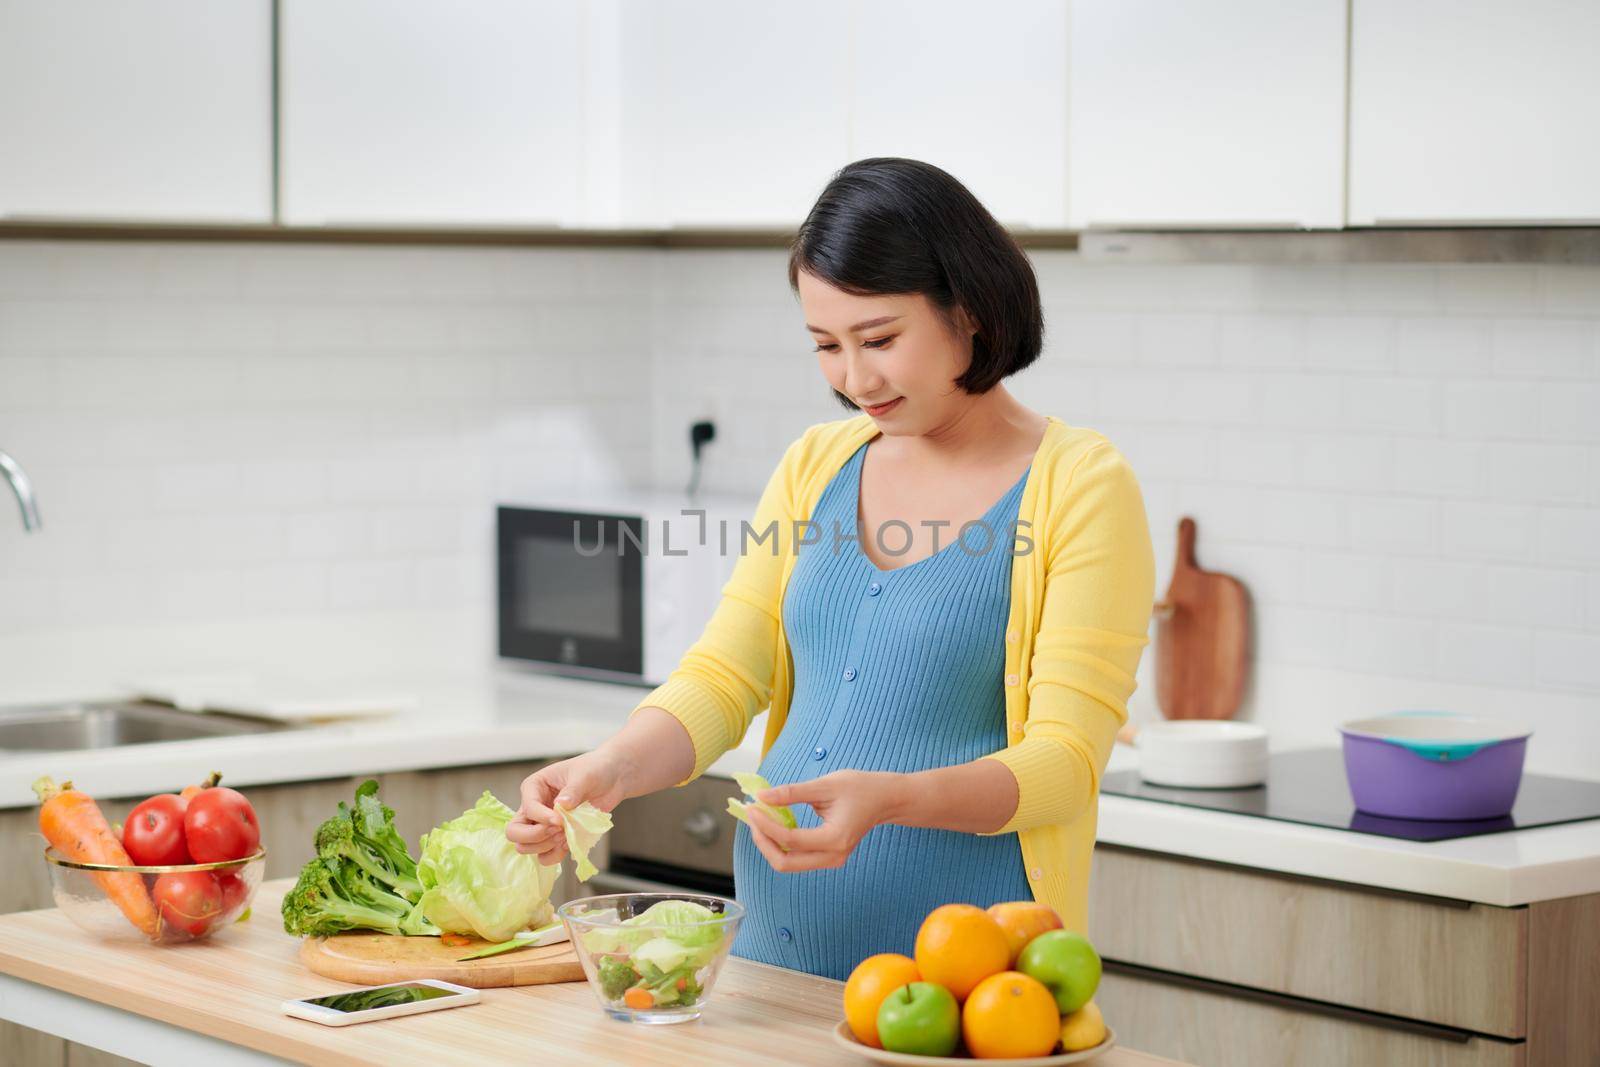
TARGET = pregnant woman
x,y
944,630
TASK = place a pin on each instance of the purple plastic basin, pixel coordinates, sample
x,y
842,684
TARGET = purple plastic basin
x,y
1432,767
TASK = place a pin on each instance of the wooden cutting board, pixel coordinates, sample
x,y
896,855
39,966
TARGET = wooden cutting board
x,y
376,959
1202,638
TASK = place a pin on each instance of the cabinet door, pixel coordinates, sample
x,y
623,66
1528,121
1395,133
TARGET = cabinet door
x,y
1221,114
412,112
1474,111
982,96
141,110
735,113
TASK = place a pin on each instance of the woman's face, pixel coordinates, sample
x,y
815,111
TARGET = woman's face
x,y
894,357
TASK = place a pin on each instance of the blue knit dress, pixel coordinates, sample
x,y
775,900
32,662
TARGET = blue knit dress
x,y
898,670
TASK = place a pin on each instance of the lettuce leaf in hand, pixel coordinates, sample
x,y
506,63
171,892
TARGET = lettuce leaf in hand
x,y
753,784
476,882
584,825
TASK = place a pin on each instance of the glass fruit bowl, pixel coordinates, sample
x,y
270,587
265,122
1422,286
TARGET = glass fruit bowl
x,y
161,905
652,957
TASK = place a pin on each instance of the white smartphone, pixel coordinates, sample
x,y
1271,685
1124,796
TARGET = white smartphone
x,y
381,1002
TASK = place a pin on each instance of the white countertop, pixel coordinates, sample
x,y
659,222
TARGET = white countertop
x,y
505,716
498,717
1518,867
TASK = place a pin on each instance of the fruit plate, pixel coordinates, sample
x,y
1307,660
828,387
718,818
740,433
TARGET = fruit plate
x,y
843,1036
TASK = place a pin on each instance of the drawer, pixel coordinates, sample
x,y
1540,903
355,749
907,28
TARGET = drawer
x,y
684,827
1425,958
1213,1026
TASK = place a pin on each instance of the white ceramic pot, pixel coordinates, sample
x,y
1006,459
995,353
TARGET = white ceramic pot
x,y
1202,753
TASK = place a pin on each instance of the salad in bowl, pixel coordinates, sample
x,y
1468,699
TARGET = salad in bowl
x,y
652,957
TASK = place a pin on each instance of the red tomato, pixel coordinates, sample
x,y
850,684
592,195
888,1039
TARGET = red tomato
x,y
190,901
221,825
233,888
153,834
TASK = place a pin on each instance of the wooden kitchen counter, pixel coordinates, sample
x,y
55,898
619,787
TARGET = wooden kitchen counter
x,y
228,989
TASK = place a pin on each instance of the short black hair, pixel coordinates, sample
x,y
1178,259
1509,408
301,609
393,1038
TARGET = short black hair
x,y
886,226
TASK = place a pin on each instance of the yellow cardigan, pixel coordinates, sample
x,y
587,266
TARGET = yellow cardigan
x,y
1080,610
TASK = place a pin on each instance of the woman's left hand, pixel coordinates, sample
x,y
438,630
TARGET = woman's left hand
x,y
849,803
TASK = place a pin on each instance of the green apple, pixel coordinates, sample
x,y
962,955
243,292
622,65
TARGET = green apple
x,y
920,1018
1067,965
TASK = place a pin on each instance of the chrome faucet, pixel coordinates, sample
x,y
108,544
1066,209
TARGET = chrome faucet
x,y
24,490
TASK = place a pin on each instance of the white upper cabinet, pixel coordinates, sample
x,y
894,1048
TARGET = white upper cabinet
x,y
1227,113
1474,111
982,95
420,113
734,113
159,110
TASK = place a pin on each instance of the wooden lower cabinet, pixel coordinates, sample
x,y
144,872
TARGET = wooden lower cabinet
x,y
1219,1028
290,815
1217,964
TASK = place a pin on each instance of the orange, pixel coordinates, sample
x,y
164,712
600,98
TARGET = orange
x,y
1022,921
873,979
1010,1016
959,946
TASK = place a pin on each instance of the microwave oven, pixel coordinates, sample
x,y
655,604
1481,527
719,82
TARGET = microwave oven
x,y
613,588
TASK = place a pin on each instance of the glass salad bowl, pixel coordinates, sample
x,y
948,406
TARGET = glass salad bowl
x,y
159,905
652,957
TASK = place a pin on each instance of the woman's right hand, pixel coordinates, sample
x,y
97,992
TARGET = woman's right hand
x,y
597,777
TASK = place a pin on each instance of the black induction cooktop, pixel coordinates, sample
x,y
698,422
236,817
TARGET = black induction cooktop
x,y
1308,786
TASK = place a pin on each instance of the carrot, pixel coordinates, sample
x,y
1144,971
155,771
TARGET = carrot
x,y
455,940
638,999
189,792
71,821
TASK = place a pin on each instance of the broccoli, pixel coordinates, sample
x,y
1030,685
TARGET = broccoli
x,y
616,977
362,878
331,897
367,837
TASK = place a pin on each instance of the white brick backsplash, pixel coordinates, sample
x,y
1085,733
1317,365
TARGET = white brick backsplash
x,y
329,535
1391,287
1301,403
1533,348
1478,289
1490,655
1501,531
1088,337
1402,462
1424,467
1538,474
1569,660
370,584
1570,411
1272,341
1442,347
1311,636
1440,589
1339,580
1358,343
1176,340
1568,290
1385,644
1256,457
1393,524
1533,596
1496,411
1570,535
1399,404
1352,463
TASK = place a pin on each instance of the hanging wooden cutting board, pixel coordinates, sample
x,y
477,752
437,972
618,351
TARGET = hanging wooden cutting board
x,y
1202,638
377,959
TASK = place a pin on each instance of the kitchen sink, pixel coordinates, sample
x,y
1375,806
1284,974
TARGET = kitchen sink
x,y
64,727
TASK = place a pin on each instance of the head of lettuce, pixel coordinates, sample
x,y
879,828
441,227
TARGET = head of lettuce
x,y
474,881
